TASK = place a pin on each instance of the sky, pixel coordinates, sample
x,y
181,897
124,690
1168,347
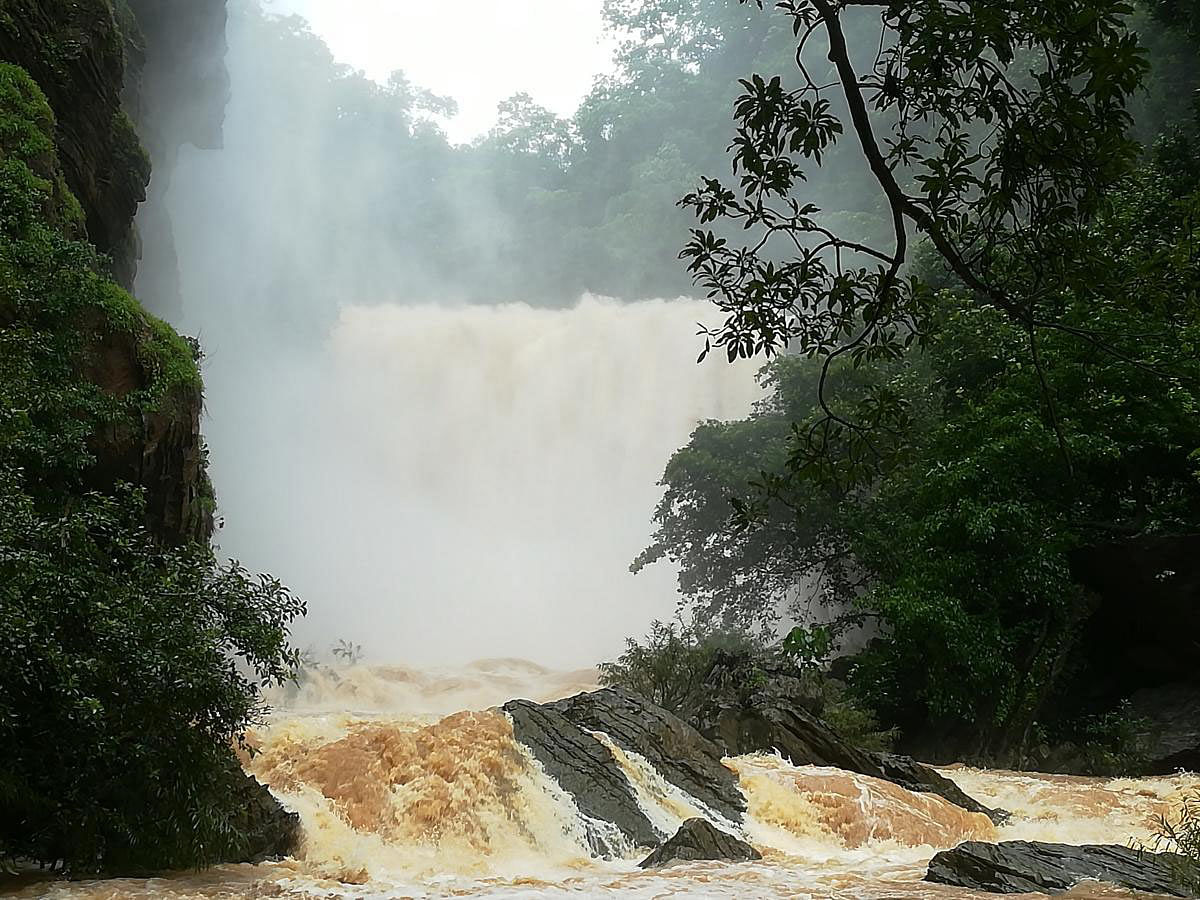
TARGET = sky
x,y
477,51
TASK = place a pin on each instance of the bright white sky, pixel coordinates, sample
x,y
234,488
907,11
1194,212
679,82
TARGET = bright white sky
x,y
476,51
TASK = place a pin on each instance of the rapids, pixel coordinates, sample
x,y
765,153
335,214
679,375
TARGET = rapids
x,y
409,784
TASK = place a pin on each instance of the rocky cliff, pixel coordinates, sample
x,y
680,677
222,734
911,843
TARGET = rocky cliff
x,y
97,62
96,392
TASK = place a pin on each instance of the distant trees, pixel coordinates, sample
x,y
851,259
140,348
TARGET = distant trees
x,y
541,209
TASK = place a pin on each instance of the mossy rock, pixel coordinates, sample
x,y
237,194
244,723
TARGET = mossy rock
x,y
75,52
98,390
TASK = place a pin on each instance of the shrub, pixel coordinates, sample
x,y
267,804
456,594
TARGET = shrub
x,y
669,668
1180,834
130,670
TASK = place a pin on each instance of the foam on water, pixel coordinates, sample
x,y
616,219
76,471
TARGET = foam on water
x,y
404,801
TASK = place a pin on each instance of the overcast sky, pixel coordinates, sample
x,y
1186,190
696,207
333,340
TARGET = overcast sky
x,y
476,51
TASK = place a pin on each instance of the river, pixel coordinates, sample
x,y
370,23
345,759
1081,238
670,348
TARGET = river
x,y
409,784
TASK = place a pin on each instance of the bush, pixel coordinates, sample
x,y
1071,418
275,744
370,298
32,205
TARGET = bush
x,y
129,673
673,669
1180,834
669,668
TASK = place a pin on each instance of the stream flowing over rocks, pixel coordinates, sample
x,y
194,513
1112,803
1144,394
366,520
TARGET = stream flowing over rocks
x,y
436,783
1025,867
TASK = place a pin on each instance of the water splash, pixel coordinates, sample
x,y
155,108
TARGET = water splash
x,y
810,810
406,801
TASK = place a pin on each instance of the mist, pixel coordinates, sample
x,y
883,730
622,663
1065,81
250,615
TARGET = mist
x,y
443,473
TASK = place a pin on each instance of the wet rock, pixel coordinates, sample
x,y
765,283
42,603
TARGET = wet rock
x,y
585,769
75,52
921,779
699,839
771,716
680,753
270,830
1016,867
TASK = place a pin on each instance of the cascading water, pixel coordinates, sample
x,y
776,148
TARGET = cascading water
x,y
400,800
443,483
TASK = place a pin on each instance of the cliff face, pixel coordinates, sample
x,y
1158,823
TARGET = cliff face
x,y
75,52
97,63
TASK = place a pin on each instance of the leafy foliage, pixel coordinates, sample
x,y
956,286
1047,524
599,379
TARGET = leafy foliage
x,y
669,668
993,130
1180,833
673,666
132,667
347,652
955,540
122,688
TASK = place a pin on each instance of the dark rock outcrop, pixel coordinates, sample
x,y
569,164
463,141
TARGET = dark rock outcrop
x,y
75,52
161,449
699,839
585,769
270,831
680,753
772,716
1015,867
921,779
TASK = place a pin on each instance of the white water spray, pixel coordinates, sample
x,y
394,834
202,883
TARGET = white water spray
x,y
445,483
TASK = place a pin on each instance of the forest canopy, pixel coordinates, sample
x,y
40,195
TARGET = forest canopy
x,y
959,410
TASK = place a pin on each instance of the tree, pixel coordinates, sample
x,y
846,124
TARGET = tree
x,y
957,541
132,670
993,129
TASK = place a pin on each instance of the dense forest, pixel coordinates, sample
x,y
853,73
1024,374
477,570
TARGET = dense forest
x,y
954,438
540,209
960,237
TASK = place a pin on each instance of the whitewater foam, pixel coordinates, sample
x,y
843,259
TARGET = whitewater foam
x,y
407,802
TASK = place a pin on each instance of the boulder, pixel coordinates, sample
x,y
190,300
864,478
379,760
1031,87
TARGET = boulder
x,y
1018,867
585,769
680,753
699,839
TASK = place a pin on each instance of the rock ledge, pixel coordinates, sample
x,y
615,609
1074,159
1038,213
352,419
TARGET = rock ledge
x,y
1018,867
699,839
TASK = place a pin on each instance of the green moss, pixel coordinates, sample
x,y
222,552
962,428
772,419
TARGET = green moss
x,y
128,153
55,301
27,136
170,359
